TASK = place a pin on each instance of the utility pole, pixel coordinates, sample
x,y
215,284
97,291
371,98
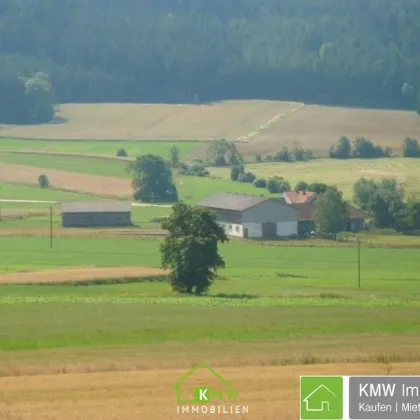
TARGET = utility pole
x,y
51,228
358,261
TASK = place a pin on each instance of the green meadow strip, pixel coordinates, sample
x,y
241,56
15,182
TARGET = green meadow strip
x,y
217,302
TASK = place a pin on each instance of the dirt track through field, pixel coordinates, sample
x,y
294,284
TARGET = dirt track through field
x,y
318,127
78,274
270,393
71,181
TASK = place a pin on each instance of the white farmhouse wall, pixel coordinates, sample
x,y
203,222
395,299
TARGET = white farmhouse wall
x,y
232,229
287,229
254,230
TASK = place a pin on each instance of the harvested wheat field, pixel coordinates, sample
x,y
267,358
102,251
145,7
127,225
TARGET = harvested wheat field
x,y
270,393
227,119
342,173
70,181
318,127
78,274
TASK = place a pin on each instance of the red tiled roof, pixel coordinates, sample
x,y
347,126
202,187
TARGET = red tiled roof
x,y
299,197
306,211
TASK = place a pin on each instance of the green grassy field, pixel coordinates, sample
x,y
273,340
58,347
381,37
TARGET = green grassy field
x,y
96,324
96,147
270,295
36,215
342,173
78,164
265,293
190,189
268,270
267,298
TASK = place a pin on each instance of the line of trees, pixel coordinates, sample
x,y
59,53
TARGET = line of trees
x,y
361,147
385,204
326,51
297,154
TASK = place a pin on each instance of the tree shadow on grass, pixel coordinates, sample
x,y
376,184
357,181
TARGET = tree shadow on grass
x,y
239,296
57,120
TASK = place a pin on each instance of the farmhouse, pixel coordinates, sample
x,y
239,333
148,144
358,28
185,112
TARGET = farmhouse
x,y
306,222
299,197
249,216
96,213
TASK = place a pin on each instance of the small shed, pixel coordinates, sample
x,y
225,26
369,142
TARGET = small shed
x,y
250,216
96,213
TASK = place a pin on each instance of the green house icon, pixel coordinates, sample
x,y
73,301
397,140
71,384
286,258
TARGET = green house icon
x,y
199,390
321,399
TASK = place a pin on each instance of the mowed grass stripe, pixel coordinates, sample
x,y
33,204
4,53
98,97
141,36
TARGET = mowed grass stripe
x,y
97,147
84,165
54,325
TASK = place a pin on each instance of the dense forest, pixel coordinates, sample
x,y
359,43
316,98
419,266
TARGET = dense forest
x,y
353,52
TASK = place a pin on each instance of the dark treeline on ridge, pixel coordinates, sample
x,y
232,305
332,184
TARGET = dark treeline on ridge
x,y
354,52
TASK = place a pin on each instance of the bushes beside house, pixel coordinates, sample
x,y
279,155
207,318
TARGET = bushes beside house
x,y
278,184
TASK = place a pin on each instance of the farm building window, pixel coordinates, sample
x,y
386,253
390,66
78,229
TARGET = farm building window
x,y
230,227
237,229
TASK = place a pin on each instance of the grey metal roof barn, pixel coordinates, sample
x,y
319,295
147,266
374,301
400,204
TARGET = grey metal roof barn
x,y
96,213
252,216
235,202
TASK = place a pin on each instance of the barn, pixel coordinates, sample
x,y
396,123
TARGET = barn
x,y
96,213
249,216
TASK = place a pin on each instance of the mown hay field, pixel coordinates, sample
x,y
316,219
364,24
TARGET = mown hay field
x,y
318,127
269,393
341,173
226,119
259,126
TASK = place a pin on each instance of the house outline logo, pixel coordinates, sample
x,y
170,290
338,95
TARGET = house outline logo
x,y
321,397
200,392
326,403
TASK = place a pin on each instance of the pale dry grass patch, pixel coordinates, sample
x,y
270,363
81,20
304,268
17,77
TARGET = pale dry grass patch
x,y
66,275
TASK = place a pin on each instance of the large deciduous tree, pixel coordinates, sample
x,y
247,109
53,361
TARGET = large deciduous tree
x,y
152,180
342,149
190,250
382,200
331,213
